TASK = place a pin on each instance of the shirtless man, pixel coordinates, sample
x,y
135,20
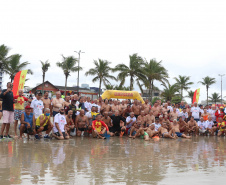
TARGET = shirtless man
x,y
46,101
127,111
145,107
107,120
176,128
122,107
136,108
163,132
66,104
105,107
150,118
115,106
70,126
57,103
165,110
151,131
183,126
193,126
173,115
81,123
155,109
144,135
142,119
166,120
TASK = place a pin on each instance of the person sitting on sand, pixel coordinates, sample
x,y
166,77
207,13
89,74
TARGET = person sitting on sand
x,y
27,122
193,126
144,135
221,126
151,131
176,127
163,132
59,128
202,126
210,126
97,125
132,131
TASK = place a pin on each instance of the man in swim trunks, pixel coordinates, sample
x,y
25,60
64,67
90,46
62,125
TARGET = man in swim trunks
x,y
70,126
115,106
163,132
107,120
173,115
150,118
97,125
176,128
144,135
145,107
193,127
183,126
155,109
66,104
134,128
151,130
127,112
81,123
105,107
142,119
136,108
122,107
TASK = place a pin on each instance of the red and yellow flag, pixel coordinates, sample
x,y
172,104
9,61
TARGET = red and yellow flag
x,y
196,96
18,82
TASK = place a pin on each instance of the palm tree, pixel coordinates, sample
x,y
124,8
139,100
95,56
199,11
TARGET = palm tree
x,y
12,66
207,81
45,67
68,66
215,97
190,95
102,71
134,70
169,92
109,87
154,71
183,83
4,50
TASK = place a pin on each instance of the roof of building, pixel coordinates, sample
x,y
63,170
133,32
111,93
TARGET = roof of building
x,y
69,88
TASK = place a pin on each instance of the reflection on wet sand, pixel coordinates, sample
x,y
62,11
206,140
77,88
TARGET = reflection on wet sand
x,y
117,160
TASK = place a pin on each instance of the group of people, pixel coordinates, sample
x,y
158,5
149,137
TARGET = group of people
x,y
81,116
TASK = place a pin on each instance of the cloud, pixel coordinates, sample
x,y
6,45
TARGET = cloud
x,y
188,36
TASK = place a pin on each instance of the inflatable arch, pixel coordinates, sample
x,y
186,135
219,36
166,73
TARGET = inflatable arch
x,y
122,95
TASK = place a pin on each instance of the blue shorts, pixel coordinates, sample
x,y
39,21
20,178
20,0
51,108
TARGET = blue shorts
x,y
179,134
133,134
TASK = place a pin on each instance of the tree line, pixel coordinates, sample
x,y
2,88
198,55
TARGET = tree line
x,y
139,70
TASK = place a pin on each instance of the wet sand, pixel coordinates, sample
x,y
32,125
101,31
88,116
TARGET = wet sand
x,y
201,160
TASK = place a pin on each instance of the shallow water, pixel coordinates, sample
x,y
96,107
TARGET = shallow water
x,y
201,160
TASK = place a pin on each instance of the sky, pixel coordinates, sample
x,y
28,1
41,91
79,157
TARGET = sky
x,y
188,36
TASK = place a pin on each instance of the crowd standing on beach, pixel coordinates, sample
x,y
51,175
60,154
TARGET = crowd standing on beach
x,y
81,116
